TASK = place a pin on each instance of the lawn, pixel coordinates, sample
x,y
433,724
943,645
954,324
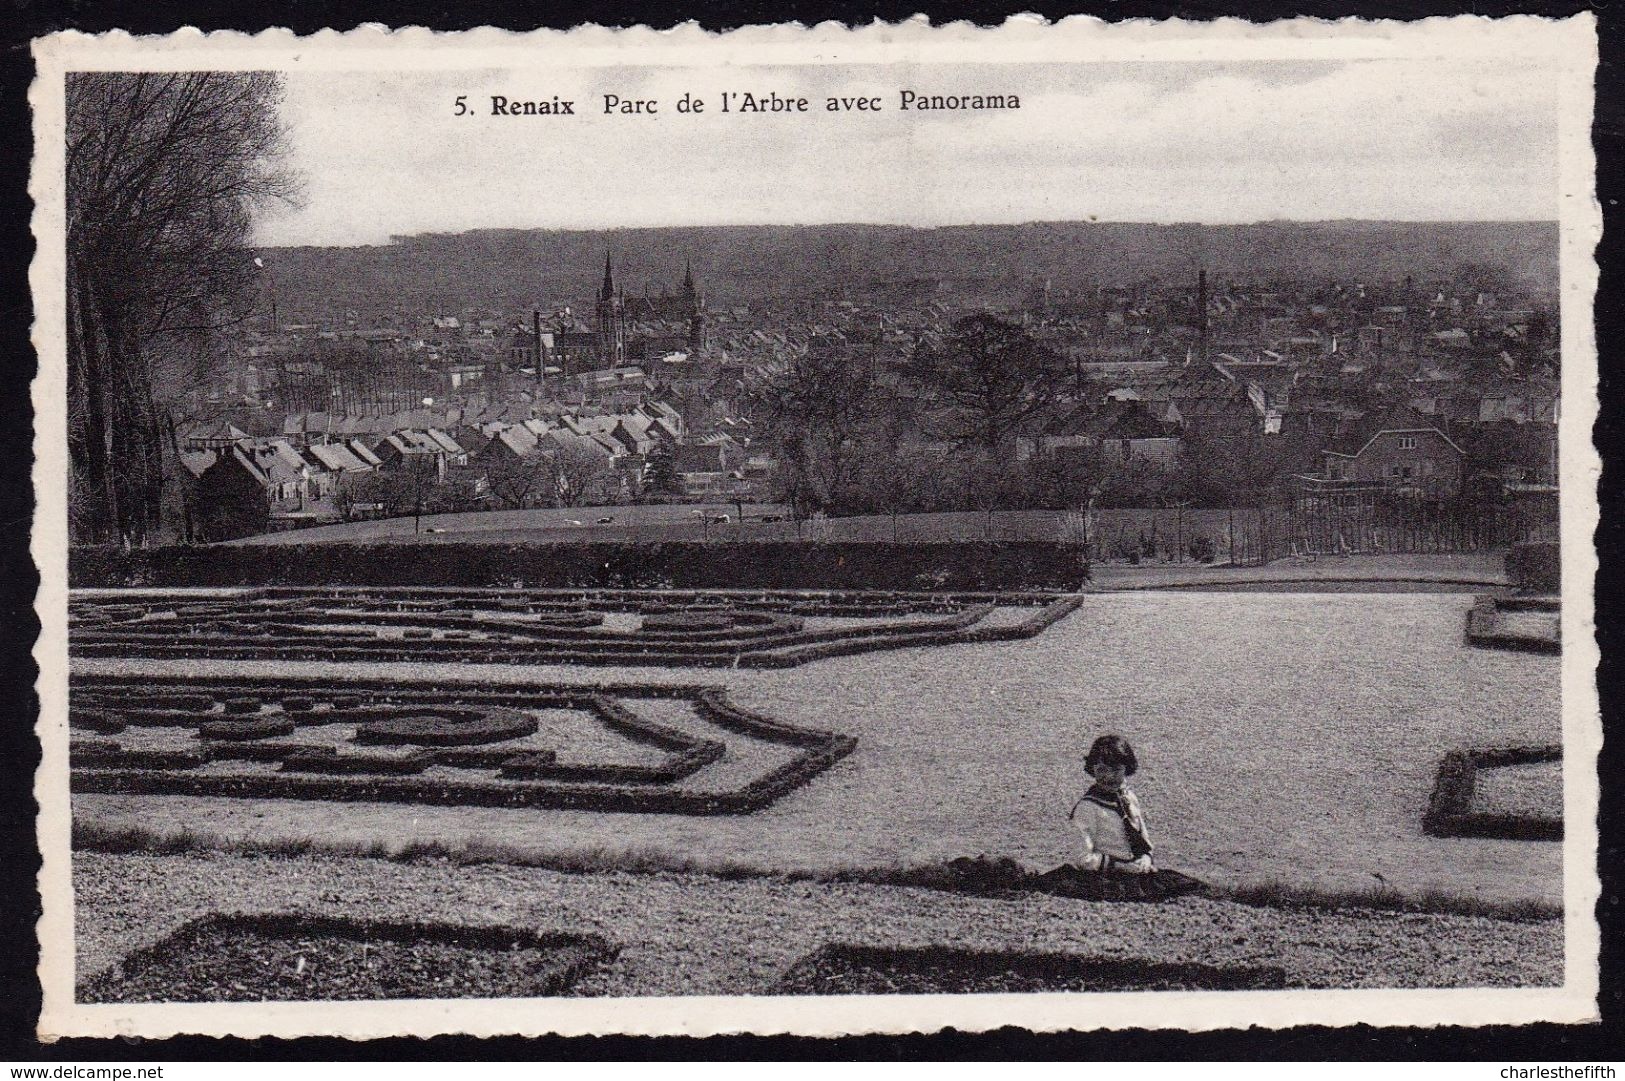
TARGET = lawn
x,y
691,522
1283,736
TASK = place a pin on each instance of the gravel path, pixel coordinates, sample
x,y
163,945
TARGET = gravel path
x,y
691,934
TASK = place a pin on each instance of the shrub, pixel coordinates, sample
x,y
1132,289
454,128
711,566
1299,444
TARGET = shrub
x,y
222,957
1202,549
1536,567
1485,628
242,705
298,704
106,755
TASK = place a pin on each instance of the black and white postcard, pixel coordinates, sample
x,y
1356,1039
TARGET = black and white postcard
x,y
817,530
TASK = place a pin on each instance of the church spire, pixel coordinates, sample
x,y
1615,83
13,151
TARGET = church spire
x,y
608,289
688,277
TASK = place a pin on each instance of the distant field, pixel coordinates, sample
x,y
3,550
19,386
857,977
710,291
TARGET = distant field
x,y
543,525
686,522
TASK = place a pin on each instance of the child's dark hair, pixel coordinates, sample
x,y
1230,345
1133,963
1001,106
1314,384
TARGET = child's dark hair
x,y
1114,751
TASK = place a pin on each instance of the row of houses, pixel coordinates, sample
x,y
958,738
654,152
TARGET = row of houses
x,y
1506,436
300,473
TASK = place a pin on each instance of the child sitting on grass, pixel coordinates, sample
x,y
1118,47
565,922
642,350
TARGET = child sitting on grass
x,y
1108,815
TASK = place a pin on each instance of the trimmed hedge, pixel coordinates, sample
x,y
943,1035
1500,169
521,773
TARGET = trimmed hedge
x,y
936,567
697,634
249,728
1450,806
99,721
470,727
1536,567
854,640
330,761
105,755
1486,631
618,789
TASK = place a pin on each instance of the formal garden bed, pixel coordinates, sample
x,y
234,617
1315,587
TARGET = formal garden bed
x,y
1512,793
749,629
300,957
451,746
1522,624
1328,721
692,934
844,969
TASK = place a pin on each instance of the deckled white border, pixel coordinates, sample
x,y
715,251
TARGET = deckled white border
x,y
1024,39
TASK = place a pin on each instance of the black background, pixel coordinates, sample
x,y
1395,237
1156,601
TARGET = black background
x,y
20,21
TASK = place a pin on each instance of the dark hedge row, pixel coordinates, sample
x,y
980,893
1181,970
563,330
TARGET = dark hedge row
x,y
688,754
1536,567
536,600
270,751
819,751
675,565
1450,806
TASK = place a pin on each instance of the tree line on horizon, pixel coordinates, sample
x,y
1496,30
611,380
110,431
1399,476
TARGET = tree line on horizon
x,y
514,269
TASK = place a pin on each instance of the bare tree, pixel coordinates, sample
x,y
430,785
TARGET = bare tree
x,y
518,480
993,374
578,473
163,173
816,410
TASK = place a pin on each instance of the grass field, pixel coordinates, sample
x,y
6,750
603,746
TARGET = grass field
x,y
684,522
1284,737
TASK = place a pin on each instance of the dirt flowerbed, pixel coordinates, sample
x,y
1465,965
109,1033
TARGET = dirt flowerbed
x,y
297,957
867,970
695,934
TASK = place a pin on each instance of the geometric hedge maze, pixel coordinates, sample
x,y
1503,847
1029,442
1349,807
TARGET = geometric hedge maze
x,y
526,626
389,741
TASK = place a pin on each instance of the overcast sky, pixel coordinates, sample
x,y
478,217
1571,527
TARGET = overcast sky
x,y
1118,142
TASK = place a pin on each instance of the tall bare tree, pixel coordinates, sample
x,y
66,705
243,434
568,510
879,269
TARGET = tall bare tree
x,y
163,174
816,410
580,475
517,481
992,374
